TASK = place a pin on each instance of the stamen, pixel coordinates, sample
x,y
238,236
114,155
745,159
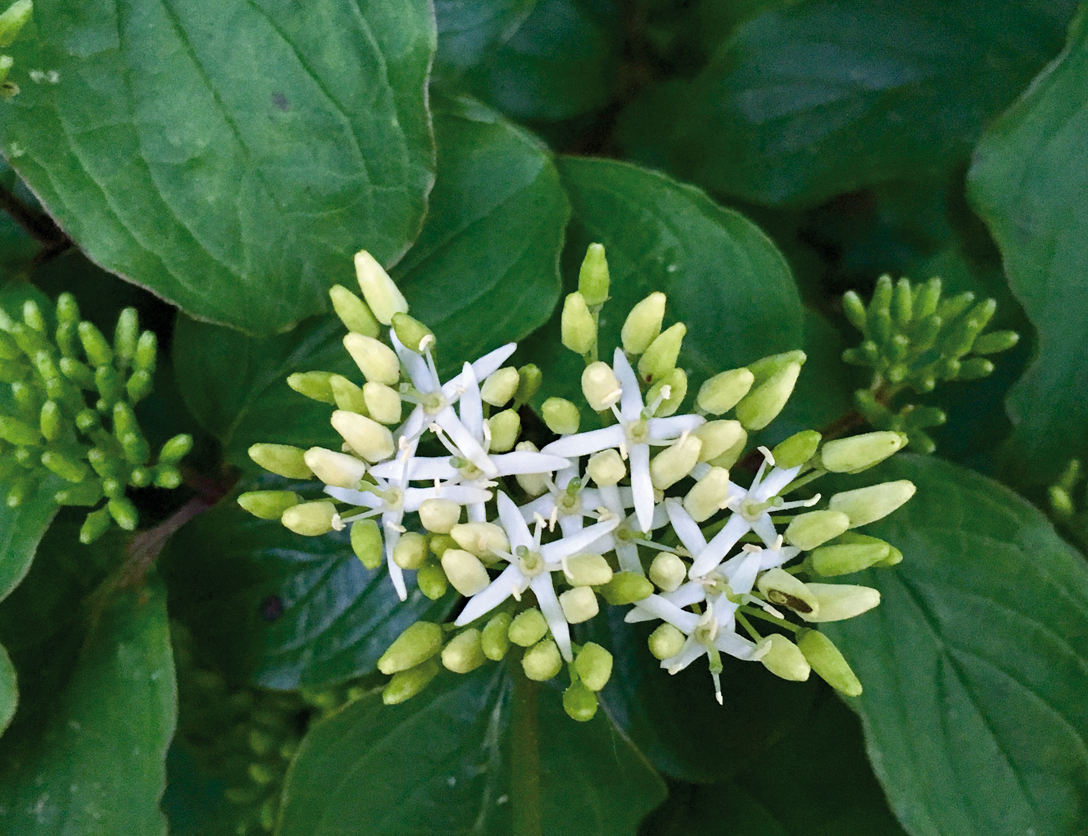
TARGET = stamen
x,y
752,548
426,343
337,523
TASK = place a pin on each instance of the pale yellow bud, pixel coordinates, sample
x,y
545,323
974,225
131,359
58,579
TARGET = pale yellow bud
x,y
643,324
579,604
504,428
337,469
368,438
382,402
439,515
606,467
534,484
709,494
666,641
311,519
781,588
720,438
600,386
668,571
723,391
465,571
784,659
675,462
587,570
380,292
578,330
377,361
410,550
465,652
837,602
500,386
807,531
483,539
660,357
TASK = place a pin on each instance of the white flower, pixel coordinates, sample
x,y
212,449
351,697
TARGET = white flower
x,y
531,565
632,436
625,539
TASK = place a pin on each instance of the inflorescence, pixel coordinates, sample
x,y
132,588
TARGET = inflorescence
x,y
651,510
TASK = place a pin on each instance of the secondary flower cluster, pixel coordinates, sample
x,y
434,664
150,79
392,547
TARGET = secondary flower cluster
x,y
656,509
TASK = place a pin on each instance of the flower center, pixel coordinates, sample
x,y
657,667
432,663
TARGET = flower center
x,y
638,432
434,403
707,629
530,563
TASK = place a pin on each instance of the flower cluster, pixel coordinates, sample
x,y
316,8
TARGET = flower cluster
x,y
655,509
71,413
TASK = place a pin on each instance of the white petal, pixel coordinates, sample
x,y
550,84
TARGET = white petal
x,y
764,527
411,429
737,646
627,552
526,461
396,574
571,524
517,531
776,480
470,407
461,494
553,612
691,651
770,558
364,499
685,527
662,429
487,364
682,620
417,367
641,485
630,393
583,444
469,446
419,469
719,546
494,594
690,593
543,505
554,552
741,571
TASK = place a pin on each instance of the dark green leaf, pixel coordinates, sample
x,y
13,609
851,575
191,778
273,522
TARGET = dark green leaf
x,y
471,754
20,531
975,665
819,98
227,155
1028,182
281,609
9,690
469,29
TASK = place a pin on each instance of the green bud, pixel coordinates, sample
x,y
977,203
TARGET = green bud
x,y
310,519
661,355
784,659
578,329
579,604
30,342
21,489
880,327
366,542
67,310
975,368
66,467
481,538
529,380
866,505
587,570
465,571
838,602
533,484
668,571
668,393
767,367
626,588
665,642
382,403
113,488
347,396
86,493
377,361
439,543
465,652
138,386
854,309
882,297
268,505
542,661
643,324
902,303
761,406
995,341
123,513
366,437
579,702
528,627
722,440
9,349
853,538
32,316
431,580
379,291
52,421
898,348
961,337
561,416
828,662
79,373
860,452
96,524
125,337
353,312
783,589
146,353
439,515
418,643
600,386
282,459
606,467
18,14
593,276
708,496
675,462
797,449
844,559
495,638
177,448
504,428
406,684
807,531
410,550
926,298
17,432
593,666
95,346
953,306
313,385
926,333
413,334
500,386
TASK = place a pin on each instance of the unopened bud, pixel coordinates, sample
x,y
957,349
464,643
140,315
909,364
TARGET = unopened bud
x,y
483,539
780,587
579,702
661,355
807,531
406,684
606,467
465,652
347,396
313,385
561,416
282,459
587,570
665,642
86,493
413,334
593,666
859,452
310,519
995,341
643,324
668,571
95,346
675,462
431,580
439,515
542,661
722,441
123,513
761,406
579,604
51,422
125,336
866,505
17,432
853,538
94,526
600,386
975,368
534,484
578,329
529,380
13,20
353,312
465,572
147,348
843,558
767,367
626,588
500,386
837,602
797,449
784,659
828,662
410,550
268,505
337,469
724,391
504,427
593,276
366,542
668,393
418,643
367,438
528,627
379,291
382,402
65,466
439,543
377,361
495,638
709,494
176,448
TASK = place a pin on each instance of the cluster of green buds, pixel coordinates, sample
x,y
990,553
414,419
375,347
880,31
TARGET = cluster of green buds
x,y
12,22
538,533
915,339
71,414
1069,511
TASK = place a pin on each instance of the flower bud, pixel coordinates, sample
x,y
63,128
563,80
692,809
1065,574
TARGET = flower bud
x,y
975,369
16,432
643,324
347,396
600,386
483,539
785,659
593,276
96,524
843,558
282,459
86,493
723,391
406,684
165,476
500,386
854,538
431,580
439,543
534,484
381,294
13,20
366,542
529,380
504,428
665,642
439,515
593,666
528,627
668,571
465,572
313,385
353,312
382,402
709,494
837,602
413,334
866,505
268,505
995,341
722,441
859,452
668,393
146,356
561,416
96,348
51,421
495,638
661,355
410,550
310,519
761,406
797,449
123,513
465,652
542,661
579,702
587,570
377,361
828,662
579,604
626,588
418,643
606,467
675,462
578,328
337,469
781,588
807,531
175,449
367,438
125,337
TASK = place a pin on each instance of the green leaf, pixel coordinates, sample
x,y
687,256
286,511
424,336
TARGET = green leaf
x,y
483,272
975,665
9,690
469,29
819,98
471,754
1027,181
21,529
280,609
723,277
229,156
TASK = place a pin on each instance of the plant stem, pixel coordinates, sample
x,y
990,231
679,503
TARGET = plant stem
x,y
525,757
